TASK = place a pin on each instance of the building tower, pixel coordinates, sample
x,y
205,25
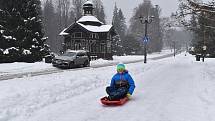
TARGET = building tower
x,y
88,8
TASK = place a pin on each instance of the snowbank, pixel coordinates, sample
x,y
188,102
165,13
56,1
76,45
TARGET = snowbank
x,y
17,68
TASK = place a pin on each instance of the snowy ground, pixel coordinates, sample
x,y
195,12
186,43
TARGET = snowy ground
x,y
18,68
171,89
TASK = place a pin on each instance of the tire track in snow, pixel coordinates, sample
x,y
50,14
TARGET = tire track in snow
x,y
56,70
25,104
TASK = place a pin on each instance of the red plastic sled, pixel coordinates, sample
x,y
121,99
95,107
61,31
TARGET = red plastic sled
x,y
105,101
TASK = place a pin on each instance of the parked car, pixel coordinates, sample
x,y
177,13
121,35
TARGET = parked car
x,y
50,57
72,58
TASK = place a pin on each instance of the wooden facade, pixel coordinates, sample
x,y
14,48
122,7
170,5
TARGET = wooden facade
x,y
89,34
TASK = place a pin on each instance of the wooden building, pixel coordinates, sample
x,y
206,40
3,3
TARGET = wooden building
x,y
90,34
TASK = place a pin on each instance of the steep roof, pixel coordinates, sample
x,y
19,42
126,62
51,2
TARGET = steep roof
x,y
90,23
102,28
88,2
89,18
62,33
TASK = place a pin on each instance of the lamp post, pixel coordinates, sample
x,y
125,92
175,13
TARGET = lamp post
x,y
174,46
204,47
145,21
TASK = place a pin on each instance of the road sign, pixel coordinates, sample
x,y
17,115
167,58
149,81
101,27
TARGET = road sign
x,y
145,39
204,47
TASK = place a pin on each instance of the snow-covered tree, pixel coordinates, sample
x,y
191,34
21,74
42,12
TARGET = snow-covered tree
x,y
51,25
22,34
119,24
99,10
122,25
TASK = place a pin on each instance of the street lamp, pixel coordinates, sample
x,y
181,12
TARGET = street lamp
x,y
147,20
174,46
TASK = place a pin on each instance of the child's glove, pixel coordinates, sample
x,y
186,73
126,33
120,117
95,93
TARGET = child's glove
x,y
128,95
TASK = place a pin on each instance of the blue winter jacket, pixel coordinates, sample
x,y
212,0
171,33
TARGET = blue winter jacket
x,y
124,76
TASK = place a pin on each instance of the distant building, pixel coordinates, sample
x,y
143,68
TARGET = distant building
x,y
88,33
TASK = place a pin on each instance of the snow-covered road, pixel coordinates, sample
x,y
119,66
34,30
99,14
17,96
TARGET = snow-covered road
x,y
171,89
20,70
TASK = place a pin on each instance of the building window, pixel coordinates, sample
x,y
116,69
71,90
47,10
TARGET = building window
x,y
94,36
78,35
84,44
108,46
102,47
73,35
77,46
72,44
92,46
68,45
108,37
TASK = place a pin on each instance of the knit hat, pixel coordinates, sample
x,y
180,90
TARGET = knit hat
x,y
120,67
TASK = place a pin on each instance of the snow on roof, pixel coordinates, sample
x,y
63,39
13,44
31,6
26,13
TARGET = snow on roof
x,y
88,2
1,31
91,28
26,52
102,28
75,51
89,18
63,32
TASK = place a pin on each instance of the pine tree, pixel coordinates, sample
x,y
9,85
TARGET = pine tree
x,y
122,28
99,10
115,19
154,32
119,24
3,41
9,45
49,22
117,43
102,14
23,30
122,24
131,45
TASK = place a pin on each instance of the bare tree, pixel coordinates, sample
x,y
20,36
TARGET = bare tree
x,y
77,8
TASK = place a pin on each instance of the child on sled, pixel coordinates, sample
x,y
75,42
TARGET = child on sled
x,y
122,84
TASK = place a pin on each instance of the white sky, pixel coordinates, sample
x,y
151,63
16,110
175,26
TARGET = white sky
x,y
127,6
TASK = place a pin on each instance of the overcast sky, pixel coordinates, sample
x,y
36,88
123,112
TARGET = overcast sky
x,y
127,6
